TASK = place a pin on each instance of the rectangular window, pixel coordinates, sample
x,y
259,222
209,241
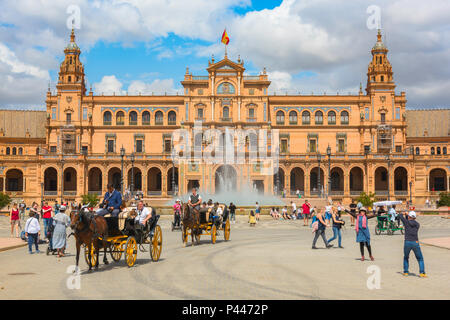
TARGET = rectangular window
x,y
265,91
85,116
341,145
383,118
139,145
366,113
52,149
110,146
312,145
397,113
284,146
167,145
251,91
68,118
84,149
251,113
53,113
200,113
398,148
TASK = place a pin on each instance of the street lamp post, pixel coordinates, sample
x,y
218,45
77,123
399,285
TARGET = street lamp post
x,y
132,172
319,156
277,181
62,180
122,154
173,175
329,170
388,158
42,194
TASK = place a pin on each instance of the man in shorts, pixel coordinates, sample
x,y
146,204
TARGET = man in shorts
x,y
306,208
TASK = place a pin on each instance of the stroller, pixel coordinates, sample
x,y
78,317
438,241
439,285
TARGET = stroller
x,y
49,236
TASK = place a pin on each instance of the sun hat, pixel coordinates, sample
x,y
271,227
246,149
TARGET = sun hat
x,y
178,200
363,209
412,214
62,208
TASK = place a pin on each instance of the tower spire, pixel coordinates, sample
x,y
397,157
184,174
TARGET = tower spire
x,y
72,36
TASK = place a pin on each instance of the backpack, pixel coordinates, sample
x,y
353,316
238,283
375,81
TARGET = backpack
x,y
22,236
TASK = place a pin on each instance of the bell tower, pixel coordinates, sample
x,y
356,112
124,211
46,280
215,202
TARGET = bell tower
x,y
71,72
379,73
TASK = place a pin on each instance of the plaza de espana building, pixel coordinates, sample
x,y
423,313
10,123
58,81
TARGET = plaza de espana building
x,y
367,141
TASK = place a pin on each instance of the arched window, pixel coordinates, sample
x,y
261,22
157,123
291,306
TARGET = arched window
x,y
438,150
292,117
344,117
107,118
306,117
432,150
319,117
226,113
200,114
280,117
20,151
331,117
145,118
120,118
159,117
8,151
172,118
225,88
133,118
251,114
444,150
417,150
14,151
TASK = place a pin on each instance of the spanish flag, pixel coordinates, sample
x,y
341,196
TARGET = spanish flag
x,y
225,39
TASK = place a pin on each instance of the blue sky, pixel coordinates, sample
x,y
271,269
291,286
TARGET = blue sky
x,y
145,45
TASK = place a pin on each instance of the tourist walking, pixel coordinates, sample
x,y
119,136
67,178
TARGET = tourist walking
x,y
294,210
257,211
337,225
14,220
177,213
46,216
320,232
298,193
232,209
22,208
32,232
412,243
353,207
61,221
306,210
328,212
34,209
56,207
362,231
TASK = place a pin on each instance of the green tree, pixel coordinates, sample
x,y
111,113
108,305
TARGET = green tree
x,y
4,200
367,199
90,198
444,199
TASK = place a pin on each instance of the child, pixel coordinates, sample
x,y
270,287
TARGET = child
x,y
32,232
252,219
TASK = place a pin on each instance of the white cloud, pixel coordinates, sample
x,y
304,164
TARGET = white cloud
x,y
158,86
109,85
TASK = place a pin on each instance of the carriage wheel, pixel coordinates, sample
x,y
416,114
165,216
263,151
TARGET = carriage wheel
x,y
377,230
131,251
213,234
156,244
93,255
184,235
227,230
116,251
390,231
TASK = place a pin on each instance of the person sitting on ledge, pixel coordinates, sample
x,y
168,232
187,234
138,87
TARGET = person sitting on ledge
x,y
111,203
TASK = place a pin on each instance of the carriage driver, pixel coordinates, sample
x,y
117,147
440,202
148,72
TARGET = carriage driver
x,y
112,201
195,199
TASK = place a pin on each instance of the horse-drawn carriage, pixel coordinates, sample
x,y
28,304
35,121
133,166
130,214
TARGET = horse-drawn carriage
x,y
122,235
385,221
194,225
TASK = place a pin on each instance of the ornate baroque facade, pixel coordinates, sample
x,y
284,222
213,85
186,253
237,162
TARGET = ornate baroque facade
x,y
362,139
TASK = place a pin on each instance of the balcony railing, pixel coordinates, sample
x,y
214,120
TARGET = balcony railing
x,y
172,122
70,193
401,192
154,193
252,119
337,192
50,193
225,119
133,123
356,192
107,123
159,122
99,193
381,192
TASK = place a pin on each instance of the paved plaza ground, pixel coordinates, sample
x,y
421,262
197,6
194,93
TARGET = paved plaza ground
x,y
273,260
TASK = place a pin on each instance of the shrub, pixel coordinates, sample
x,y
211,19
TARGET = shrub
x,y
93,199
4,200
444,199
367,199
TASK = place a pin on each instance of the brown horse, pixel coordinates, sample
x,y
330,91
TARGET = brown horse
x,y
87,228
191,220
